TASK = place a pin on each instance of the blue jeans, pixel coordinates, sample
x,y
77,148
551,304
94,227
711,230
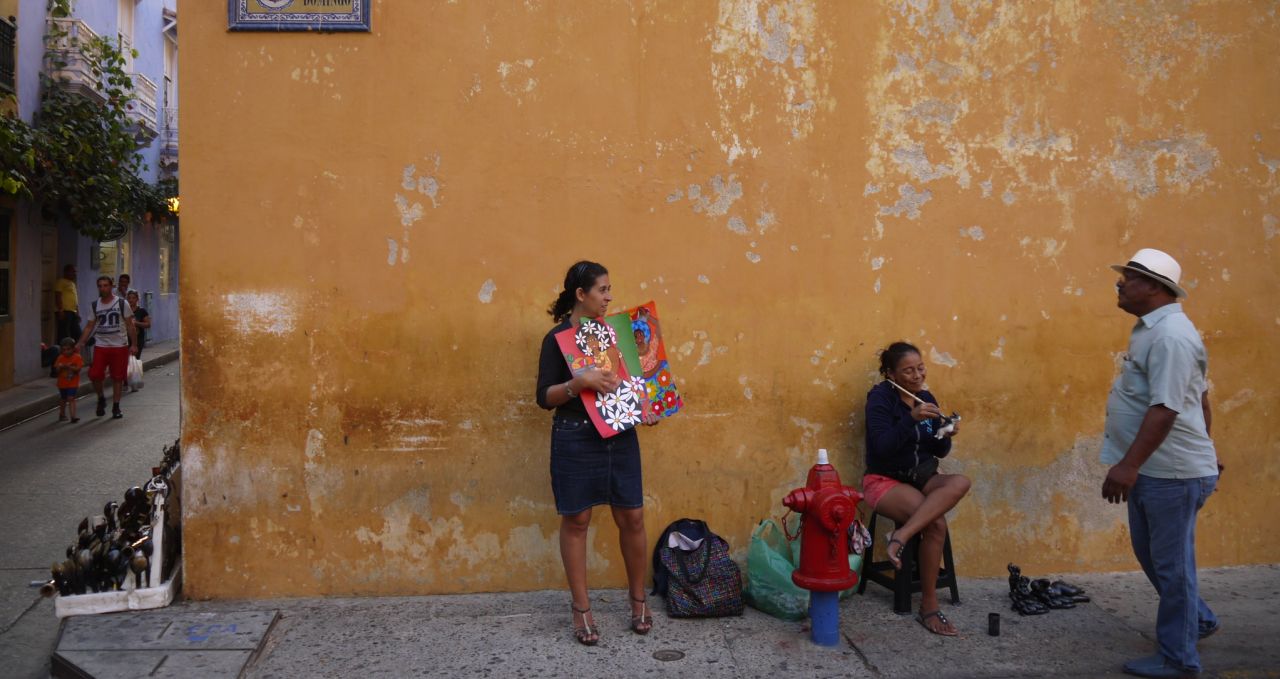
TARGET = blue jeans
x,y
1162,526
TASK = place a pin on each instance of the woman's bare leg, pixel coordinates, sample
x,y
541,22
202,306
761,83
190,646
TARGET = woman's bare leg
x,y
899,503
635,551
573,552
909,507
931,541
941,493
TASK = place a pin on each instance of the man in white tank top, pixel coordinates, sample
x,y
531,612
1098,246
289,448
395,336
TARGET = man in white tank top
x,y
111,327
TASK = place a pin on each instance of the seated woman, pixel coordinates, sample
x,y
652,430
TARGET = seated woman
x,y
902,480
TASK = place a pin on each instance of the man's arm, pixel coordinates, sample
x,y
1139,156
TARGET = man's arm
x,y
1155,427
57,303
88,332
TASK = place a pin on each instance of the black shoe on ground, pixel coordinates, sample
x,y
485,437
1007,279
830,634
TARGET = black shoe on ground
x,y
115,411
102,407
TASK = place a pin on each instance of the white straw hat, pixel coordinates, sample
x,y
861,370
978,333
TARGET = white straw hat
x,y
1158,266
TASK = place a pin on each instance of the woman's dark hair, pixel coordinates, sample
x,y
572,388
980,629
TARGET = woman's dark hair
x,y
581,275
889,357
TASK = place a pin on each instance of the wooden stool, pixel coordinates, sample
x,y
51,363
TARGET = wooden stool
x,y
903,583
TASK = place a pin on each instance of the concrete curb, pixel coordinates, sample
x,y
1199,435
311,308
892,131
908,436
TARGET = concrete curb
x,y
26,410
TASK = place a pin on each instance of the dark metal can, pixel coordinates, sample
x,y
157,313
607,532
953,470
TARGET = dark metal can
x,y
993,624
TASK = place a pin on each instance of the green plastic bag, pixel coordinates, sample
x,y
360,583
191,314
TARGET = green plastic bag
x,y
770,561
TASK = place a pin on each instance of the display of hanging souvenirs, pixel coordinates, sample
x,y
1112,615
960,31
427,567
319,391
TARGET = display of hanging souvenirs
x,y
630,345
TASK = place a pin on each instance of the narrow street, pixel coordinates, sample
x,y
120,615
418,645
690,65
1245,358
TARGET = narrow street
x,y
56,474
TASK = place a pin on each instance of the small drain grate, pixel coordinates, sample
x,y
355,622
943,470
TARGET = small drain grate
x,y
667,656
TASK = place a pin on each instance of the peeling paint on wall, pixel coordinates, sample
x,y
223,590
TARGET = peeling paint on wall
x,y
941,358
724,193
486,291
973,165
773,46
252,313
908,204
516,79
942,88
411,211
1176,163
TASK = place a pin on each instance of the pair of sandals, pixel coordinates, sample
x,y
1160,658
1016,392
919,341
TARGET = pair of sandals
x,y
1037,597
1026,606
587,636
1058,594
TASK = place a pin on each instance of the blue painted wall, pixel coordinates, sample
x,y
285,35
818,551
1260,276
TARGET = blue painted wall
x,y
149,41
30,53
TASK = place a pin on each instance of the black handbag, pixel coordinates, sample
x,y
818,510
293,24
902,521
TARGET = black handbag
x,y
918,475
701,583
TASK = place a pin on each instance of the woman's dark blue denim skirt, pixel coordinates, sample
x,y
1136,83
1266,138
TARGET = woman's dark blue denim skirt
x,y
587,470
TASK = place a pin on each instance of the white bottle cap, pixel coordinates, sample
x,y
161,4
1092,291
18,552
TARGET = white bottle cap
x,y
822,456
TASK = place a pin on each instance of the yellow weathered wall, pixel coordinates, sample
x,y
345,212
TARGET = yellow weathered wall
x,y
373,225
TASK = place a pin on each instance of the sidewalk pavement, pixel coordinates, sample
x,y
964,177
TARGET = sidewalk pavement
x,y
527,635
26,400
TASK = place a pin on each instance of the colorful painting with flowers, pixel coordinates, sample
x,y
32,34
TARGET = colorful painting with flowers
x,y
594,345
660,388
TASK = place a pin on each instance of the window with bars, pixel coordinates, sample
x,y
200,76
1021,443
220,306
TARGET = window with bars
x,y
8,57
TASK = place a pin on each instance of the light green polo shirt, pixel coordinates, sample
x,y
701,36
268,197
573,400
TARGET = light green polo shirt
x,y
1166,365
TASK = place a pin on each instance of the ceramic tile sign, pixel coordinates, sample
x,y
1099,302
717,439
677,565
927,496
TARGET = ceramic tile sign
x,y
594,345
660,387
298,15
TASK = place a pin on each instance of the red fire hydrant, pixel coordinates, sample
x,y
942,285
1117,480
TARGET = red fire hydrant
x,y
827,508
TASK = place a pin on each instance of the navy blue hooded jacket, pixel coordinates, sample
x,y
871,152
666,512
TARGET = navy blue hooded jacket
x,y
895,441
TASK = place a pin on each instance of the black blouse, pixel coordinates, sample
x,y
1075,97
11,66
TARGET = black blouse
x,y
553,369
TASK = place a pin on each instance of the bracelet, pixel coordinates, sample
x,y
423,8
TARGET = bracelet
x,y
569,390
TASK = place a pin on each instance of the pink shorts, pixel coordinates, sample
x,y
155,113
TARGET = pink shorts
x,y
874,486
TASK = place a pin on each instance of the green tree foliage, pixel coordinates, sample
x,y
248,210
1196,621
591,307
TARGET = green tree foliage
x,y
81,157
17,156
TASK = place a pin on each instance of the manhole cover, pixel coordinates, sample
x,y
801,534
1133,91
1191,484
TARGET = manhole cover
x,y
666,656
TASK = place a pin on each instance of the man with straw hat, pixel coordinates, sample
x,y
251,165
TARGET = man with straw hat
x,y
1163,461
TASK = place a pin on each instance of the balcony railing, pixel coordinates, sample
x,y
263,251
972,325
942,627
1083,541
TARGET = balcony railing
x,y
141,108
169,139
126,50
70,67
8,59
67,63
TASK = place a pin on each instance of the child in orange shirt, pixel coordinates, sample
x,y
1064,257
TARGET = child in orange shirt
x,y
68,368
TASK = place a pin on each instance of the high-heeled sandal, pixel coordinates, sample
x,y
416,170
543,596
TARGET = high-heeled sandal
x,y
584,634
641,624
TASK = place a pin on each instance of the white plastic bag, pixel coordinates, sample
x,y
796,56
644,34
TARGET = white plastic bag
x,y
135,372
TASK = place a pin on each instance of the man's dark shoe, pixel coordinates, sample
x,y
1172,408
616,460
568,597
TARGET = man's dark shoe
x,y
1207,630
115,411
102,406
1156,666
